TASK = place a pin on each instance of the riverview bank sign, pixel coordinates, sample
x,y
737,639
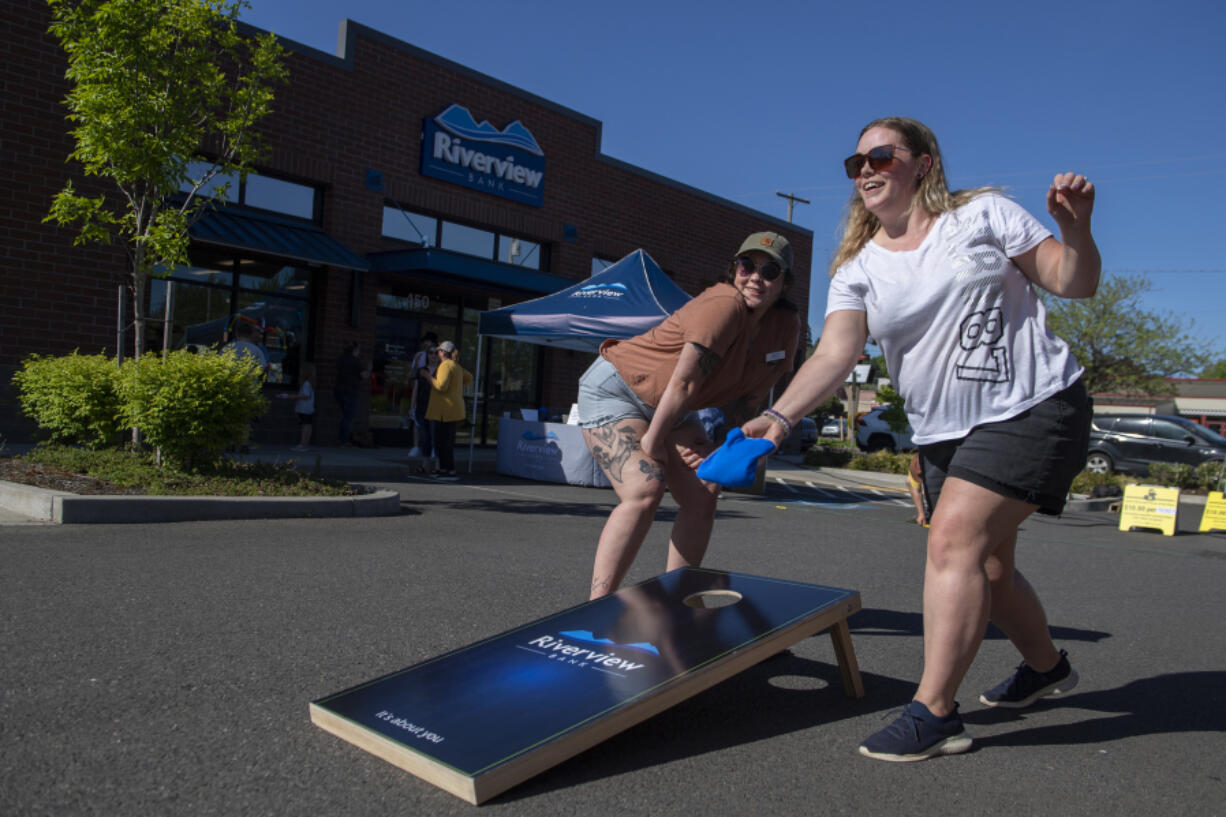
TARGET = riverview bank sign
x,y
507,163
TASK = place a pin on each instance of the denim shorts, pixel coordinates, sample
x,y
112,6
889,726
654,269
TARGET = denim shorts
x,y
605,398
1032,456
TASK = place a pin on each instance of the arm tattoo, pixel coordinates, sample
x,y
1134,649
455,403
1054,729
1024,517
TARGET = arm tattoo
x,y
707,360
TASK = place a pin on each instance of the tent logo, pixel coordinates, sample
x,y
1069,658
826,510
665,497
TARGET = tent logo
x,y
507,163
600,291
590,652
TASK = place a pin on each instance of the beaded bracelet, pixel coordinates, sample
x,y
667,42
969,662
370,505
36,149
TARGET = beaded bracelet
x,y
778,418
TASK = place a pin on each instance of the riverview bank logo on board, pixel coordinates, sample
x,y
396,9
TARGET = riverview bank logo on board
x,y
507,163
590,652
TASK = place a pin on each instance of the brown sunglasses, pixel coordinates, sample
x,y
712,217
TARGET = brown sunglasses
x,y
879,158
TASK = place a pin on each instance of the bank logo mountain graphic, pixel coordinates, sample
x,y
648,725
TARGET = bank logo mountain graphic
x,y
459,121
548,435
587,637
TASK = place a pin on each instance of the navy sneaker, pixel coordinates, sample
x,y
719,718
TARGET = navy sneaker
x,y
917,734
1026,686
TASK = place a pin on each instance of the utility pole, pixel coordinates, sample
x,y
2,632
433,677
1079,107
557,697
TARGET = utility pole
x,y
792,199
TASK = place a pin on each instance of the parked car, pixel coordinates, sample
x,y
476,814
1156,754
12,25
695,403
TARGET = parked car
x,y
875,434
804,435
832,427
1130,442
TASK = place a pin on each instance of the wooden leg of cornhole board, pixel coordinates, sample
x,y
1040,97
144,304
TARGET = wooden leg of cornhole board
x,y
840,635
485,717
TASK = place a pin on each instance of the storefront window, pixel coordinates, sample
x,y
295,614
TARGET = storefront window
x,y
467,240
412,227
519,251
279,196
426,231
207,302
265,192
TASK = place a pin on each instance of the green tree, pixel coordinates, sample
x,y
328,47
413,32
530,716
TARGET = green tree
x,y
164,102
1124,347
1215,371
895,414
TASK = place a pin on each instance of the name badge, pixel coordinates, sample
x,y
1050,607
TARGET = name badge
x,y
771,357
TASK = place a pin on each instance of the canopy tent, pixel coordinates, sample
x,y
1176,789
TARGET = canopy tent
x,y
624,300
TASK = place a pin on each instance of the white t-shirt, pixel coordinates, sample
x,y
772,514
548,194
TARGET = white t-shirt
x,y
253,352
307,404
963,331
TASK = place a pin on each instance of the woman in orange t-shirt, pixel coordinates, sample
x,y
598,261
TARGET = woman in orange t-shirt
x,y
637,403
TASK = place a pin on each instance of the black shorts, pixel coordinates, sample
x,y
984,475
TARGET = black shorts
x,y
1033,456
305,419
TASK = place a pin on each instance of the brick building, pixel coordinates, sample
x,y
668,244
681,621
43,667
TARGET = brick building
x,y
346,234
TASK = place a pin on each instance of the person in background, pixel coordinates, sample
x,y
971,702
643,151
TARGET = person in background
x,y
351,374
424,358
246,344
304,407
914,476
446,408
638,402
946,283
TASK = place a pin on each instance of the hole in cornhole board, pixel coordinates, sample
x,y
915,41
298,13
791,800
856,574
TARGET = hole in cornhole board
x,y
711,599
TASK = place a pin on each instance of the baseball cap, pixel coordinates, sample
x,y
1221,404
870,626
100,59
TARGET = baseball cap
x,y
773,244
447,346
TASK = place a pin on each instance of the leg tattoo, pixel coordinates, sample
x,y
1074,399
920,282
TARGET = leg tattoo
x,y
612,448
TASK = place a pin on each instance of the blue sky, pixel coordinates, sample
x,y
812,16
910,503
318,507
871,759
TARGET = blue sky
x,y
746,99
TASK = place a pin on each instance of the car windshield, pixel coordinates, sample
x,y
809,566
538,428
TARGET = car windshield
x,y
1200,431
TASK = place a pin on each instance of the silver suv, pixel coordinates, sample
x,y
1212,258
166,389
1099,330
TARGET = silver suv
x,y
875,434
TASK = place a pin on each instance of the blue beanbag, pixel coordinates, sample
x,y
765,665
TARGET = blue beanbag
x,y
735,463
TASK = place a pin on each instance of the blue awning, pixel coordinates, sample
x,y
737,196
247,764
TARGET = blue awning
x,y
431,262
237,228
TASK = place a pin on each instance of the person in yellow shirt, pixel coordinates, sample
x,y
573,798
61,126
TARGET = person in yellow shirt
x,y
446,408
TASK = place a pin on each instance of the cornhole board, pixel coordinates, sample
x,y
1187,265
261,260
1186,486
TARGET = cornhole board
x,y
478,720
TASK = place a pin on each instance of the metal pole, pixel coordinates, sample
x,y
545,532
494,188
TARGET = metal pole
x,y
119,324
167,317
472,435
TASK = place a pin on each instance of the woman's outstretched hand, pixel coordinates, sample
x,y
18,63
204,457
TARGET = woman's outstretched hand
x,y
1070,200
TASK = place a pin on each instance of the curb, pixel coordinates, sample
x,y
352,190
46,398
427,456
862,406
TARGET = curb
x,y
66,508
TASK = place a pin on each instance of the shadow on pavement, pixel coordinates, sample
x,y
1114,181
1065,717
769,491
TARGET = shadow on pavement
x,y
875,621
783,694
1177,702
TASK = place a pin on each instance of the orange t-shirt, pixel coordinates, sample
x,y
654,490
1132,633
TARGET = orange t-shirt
x,y
752,356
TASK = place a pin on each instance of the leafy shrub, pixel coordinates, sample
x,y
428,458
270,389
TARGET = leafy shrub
x,y
1087,481
71,398
830,453
1176,475
1211,476
883,461
191,406
136,469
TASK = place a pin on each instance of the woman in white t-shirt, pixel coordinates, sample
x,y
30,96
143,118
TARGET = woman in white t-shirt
x,y
944,282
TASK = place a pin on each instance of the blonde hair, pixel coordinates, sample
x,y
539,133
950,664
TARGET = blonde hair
x,y
932,194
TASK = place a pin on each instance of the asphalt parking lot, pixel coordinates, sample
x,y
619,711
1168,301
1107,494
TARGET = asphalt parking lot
x,y
167,668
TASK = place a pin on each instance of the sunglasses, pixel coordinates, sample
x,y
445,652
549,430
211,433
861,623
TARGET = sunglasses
x,y
879,158
769,271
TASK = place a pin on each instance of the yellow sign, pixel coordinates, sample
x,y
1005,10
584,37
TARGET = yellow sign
x,y
1215,512
1150,506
